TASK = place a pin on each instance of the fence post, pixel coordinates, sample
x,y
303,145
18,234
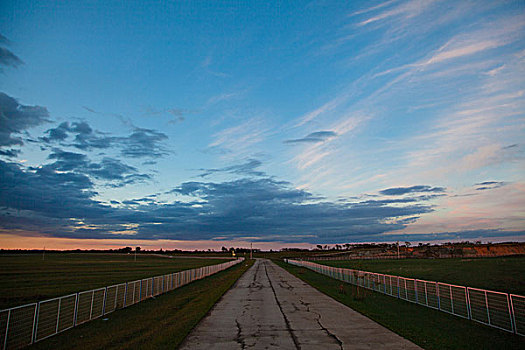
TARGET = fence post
x,y
437,294
104,301
487,306
91,307
426,293
58,313
510,314
415,291
451,298
76,311
7,328
125,294
35,322
513,321
467,299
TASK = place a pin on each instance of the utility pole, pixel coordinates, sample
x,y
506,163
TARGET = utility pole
x,y
44,253
398,249
251,251
135,254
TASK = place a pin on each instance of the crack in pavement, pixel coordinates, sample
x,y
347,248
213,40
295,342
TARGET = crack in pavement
x,y
288,328
238,338
330,334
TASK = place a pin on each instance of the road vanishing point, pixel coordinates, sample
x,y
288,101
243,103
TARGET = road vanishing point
x,y
269,308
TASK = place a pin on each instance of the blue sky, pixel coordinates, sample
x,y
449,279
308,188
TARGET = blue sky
x,y
280,123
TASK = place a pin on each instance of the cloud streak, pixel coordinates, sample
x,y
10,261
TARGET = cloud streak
x,y
314,137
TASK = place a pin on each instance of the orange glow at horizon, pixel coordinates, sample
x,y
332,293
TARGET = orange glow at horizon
x,y
10,241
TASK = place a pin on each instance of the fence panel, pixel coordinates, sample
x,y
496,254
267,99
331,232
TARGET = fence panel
x,y
411,289
84,307
421,288
499,310
97,309
459,301
66,316
121,295
144,290
136,292
47,319
478,305
517,303
432,294
111,299
20,326
130,293
445,297
3,326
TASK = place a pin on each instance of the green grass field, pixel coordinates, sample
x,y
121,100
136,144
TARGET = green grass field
x,y
159,323
429,328
505,274
26,278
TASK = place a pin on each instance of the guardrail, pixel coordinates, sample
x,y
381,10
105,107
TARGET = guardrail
x,y
496,309
24,325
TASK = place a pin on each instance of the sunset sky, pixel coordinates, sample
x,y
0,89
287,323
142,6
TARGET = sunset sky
x,y
202,124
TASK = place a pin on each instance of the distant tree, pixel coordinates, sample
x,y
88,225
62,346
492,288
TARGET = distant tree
x,y
224,249
320,247
127,250
137,249
407,244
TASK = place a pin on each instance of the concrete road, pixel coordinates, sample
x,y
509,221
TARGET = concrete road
x,y
268,308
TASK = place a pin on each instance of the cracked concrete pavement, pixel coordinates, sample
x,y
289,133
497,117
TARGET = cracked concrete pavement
x,y
269,308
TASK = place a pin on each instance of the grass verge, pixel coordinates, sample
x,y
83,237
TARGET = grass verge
x,y
503,274
157,323
428,328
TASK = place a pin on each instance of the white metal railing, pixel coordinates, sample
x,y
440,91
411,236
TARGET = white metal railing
x,y
24,325
496,309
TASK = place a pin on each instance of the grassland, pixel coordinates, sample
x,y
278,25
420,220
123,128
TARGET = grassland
x,y
26,278
430,329
504,274
159,323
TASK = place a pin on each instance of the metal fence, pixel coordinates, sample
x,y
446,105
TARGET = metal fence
x,y
495,309
24,325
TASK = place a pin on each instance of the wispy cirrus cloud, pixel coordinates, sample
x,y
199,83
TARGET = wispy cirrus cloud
x,y
314,137
8,58
396,191
239,141
247,168
399,11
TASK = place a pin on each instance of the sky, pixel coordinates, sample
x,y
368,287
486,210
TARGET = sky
x,y
197,124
